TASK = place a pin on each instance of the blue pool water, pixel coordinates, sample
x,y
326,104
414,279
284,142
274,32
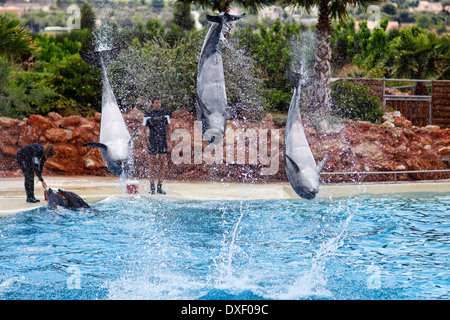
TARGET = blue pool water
x,y
364,247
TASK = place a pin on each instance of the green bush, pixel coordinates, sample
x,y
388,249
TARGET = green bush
x,y
4,81
354,102
270,48
24,94
51,51
75,80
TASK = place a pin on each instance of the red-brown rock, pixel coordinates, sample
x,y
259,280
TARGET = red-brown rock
x,y
359,146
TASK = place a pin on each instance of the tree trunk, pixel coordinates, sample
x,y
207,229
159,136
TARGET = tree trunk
x,y
320,94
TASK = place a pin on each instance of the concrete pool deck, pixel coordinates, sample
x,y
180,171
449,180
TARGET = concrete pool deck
x,y
92,188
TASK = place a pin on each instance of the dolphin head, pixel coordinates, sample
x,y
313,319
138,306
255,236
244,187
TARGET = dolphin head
x,y
119,167
118,158
213,128
304,181
54,199
307,184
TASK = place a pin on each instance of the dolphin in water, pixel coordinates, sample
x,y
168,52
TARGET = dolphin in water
x,y
65,199
115,141
211,94
54,199
301,168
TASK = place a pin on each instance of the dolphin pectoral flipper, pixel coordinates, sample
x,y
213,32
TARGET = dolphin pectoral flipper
x,y
95,145
201,106
322,163
295,165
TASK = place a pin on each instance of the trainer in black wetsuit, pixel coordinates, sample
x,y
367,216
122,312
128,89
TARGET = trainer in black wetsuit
x,y
157,120
31,160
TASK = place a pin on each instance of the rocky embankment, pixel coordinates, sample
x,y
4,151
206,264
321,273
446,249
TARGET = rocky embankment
x,y
394,145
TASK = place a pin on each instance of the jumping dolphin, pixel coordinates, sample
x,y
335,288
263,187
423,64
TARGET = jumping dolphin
x,y
115,141
302,172
65,199
211,94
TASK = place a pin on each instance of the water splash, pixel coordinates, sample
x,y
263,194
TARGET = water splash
x,y
104,37
226,275
303,50
229,247
243,86
314,281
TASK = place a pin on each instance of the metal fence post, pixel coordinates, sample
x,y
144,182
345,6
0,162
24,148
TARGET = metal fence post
x,y
430,122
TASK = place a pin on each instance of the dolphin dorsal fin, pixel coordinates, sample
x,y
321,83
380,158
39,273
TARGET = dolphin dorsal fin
x,y
322,164
96,145
295,165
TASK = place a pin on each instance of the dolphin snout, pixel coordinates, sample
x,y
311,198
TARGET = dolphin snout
x,y
310,193
213,136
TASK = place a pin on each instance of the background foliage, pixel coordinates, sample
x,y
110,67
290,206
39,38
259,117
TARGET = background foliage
x,y
40,73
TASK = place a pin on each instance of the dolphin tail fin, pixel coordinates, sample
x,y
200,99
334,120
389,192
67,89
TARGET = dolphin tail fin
x,y
226,16
95,58
96,145
322,163
216,19
233,17
294,77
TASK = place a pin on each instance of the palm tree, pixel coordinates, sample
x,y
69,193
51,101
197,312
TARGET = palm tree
x,y
14,38
320,97
225,5
417,54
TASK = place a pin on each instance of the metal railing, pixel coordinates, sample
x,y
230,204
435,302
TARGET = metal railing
x,y
395,173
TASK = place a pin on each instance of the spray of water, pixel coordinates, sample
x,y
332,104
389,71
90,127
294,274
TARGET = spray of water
x,y
303,49
225,275
313,282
